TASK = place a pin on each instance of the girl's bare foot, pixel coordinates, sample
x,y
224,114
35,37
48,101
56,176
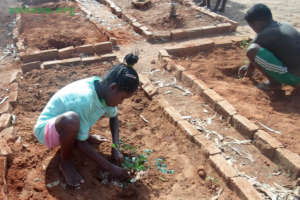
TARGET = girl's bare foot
x,y
72,177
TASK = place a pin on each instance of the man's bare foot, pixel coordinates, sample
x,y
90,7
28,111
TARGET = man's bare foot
x,y
72,177
96,139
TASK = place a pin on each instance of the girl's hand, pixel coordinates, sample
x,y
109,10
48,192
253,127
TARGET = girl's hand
x,y
119,173
117,156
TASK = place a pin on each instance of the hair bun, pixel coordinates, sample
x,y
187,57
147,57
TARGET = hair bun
x,y
131,59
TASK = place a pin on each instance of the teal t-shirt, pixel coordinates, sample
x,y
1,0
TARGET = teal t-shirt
x,y
80,97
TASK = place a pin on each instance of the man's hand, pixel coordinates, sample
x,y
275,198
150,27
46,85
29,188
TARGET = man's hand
x,y
119,173
117,156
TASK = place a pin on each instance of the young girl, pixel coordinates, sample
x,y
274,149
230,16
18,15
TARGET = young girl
x,y
72,111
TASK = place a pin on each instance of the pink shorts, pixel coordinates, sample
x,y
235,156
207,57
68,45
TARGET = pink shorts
x,y
51,135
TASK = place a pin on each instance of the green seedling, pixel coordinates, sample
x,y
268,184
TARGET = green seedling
x,y
244,44
162,167
136,162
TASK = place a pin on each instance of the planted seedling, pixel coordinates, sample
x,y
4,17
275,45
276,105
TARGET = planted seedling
x,y
133,162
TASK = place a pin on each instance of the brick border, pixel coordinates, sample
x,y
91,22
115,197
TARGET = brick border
x,y
67,52
27,67
6,135
190,33
268,145
239,185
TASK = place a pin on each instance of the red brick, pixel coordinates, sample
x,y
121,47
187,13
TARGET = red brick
x,y
162,53
225,170
113,41
165,36
14,76
5,107
179,69
51,54
187,129
4,148
188,78
150,90
3,169
50,64
266,143
163,103
178,34
208,146
103,47
209,30
67,52
190,48
26,58
244,126
224,28
212,97
30,66
70,61
199,86
225,109
223,42
289,160
172,115
92,59
108,57
8,134
5,121
148,34
244,189
85,49
137,27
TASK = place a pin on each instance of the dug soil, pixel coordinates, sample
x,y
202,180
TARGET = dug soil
x,y
58,30
218,69
32,165
157,17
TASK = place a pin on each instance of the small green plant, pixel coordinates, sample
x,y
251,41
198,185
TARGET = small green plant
x,y
245,44
135,162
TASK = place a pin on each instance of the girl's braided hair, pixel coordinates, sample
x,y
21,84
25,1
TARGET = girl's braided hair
x,y
124,75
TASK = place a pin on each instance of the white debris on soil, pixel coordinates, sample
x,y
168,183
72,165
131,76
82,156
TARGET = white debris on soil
x,y
173,84
268,128
218,195
276,192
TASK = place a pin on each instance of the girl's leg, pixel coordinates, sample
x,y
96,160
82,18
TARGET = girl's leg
x,y
67,126
217,5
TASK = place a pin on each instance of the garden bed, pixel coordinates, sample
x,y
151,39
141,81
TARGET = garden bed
x,y
57,30
32,166
171,20
218,67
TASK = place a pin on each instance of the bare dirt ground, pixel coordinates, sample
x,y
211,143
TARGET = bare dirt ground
x,y
283,11
48,31
218,68
33,165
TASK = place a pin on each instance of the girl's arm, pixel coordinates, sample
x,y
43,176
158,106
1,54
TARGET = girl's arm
x,y
104,164
114,128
